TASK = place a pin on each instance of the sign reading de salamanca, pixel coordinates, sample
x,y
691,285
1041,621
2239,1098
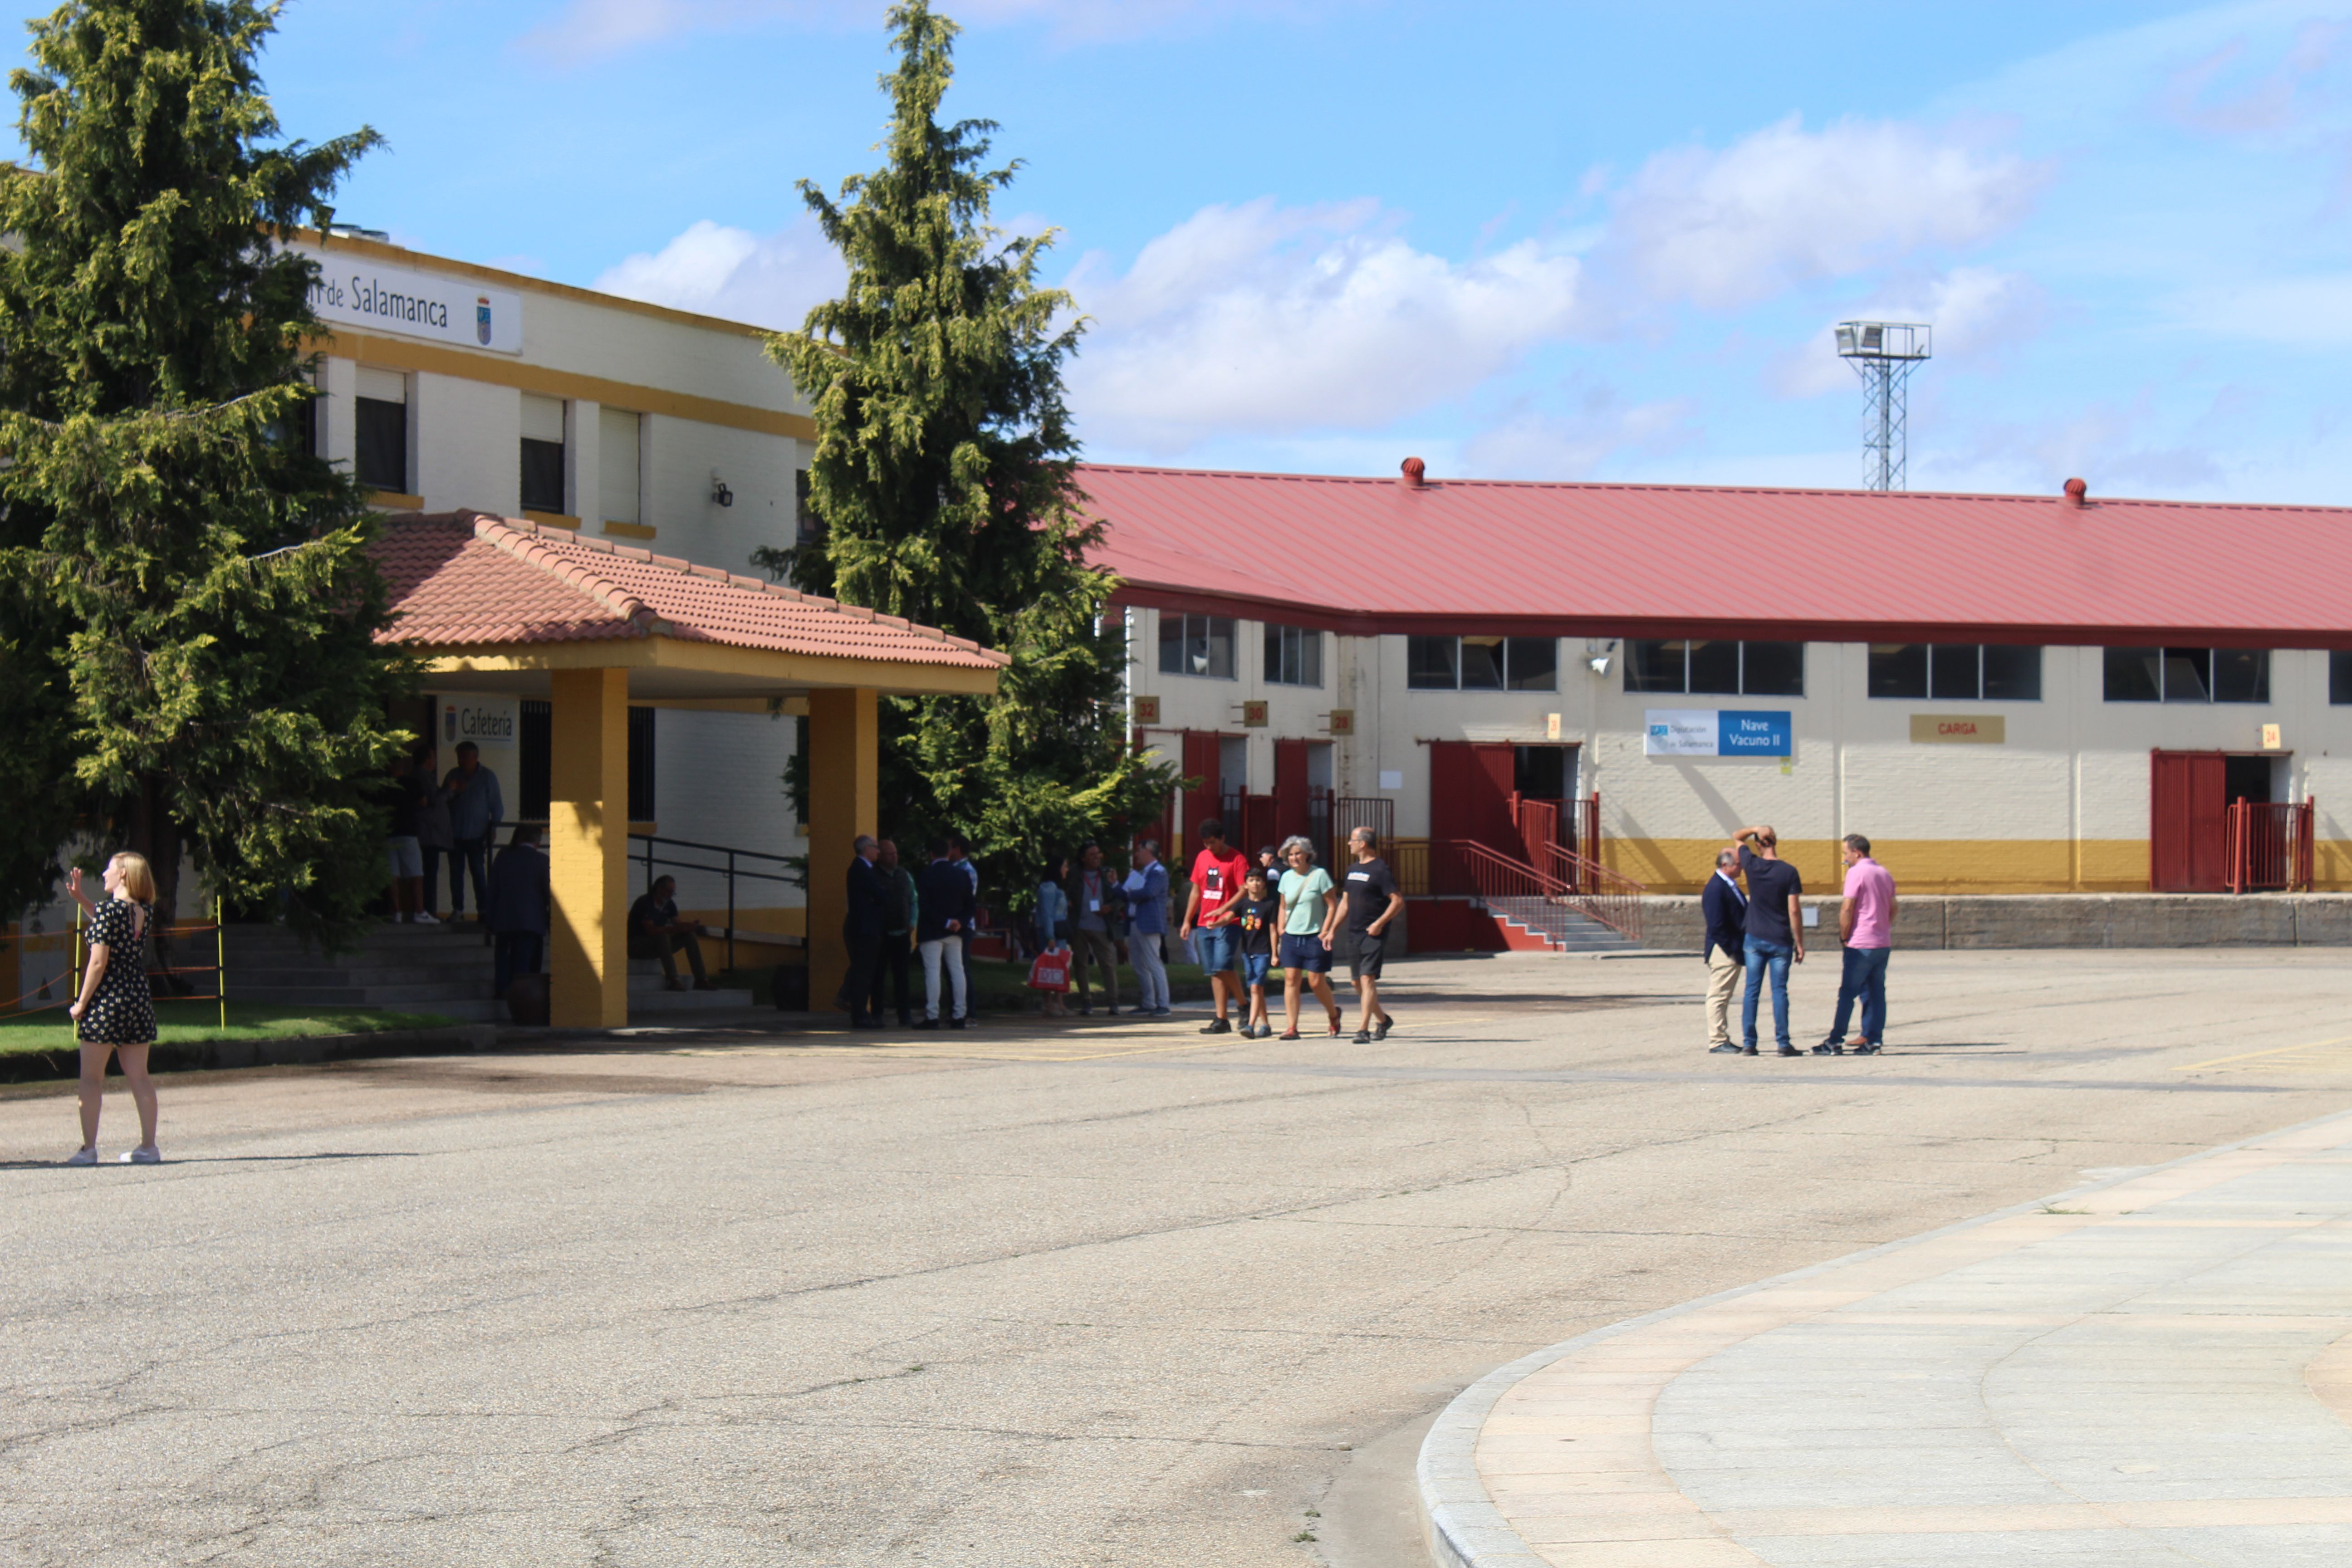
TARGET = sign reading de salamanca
x,y
367,298
358,292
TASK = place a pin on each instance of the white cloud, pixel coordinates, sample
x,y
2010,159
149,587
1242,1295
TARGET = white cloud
x,y
1531,444
587,29
1784,204
1976,312
769,281
1269,318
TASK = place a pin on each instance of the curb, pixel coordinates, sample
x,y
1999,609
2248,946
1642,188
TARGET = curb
x,y
1461,1523
299,1051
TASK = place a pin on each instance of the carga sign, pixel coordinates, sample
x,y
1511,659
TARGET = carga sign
x,y
1714,732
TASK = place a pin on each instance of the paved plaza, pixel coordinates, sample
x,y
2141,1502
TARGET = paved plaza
x,y
1120,1294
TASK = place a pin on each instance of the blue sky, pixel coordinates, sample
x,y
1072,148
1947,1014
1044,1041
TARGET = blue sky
x,y
1558,240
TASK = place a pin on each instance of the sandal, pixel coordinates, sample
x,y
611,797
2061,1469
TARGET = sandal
x,y
1335,1021
1287,1034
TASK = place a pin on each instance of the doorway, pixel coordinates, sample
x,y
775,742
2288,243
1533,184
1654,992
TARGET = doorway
x,y
2189,795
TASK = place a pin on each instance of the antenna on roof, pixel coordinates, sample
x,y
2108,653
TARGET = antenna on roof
x,y
1881,353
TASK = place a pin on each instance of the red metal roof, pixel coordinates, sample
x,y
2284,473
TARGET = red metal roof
x,y
1470,555
463,579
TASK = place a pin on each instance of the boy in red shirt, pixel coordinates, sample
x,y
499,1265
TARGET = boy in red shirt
x,y
1217,873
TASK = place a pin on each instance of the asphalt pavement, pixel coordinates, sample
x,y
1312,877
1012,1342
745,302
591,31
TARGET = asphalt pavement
x,y
1105,1293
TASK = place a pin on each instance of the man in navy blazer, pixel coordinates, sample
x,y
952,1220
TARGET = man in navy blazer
x,y
861,930
1726,908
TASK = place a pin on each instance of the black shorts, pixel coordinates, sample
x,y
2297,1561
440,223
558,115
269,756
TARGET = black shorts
x,y
1370,951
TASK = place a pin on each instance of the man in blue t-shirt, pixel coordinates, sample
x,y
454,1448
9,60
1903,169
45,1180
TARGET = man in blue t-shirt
x,y
1775,936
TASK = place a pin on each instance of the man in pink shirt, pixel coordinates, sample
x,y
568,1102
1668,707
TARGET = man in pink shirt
x,y
1865,926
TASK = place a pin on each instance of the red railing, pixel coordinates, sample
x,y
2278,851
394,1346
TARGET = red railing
x,y
1464,868
2270,847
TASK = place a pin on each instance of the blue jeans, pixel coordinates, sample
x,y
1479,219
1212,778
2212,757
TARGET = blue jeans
x,y
1864,976
1761,954
470,855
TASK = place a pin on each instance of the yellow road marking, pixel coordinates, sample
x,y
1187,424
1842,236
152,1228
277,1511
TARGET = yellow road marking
x,y
2314,1056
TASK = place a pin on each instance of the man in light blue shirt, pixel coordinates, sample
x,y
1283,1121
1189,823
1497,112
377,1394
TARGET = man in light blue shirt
x,y
1147,908
475,809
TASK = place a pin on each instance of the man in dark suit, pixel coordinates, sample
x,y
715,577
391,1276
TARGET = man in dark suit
x,y
1726,908
861,931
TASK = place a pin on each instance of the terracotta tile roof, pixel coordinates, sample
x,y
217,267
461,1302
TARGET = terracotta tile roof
x,y
1367,555
469,578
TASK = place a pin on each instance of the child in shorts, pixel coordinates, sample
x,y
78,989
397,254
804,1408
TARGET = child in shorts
x,y
1254,916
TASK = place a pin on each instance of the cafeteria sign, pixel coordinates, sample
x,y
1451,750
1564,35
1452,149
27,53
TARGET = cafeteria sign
x,y
1714,732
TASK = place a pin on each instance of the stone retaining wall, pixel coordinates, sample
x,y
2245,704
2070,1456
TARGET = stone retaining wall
x,y
1672,921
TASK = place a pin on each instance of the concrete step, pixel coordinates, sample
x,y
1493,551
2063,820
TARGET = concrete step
x,y
645,1003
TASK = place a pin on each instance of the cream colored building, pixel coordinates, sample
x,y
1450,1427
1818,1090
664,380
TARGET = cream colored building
x,y
2103,678
450,387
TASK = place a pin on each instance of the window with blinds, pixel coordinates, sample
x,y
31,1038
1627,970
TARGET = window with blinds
x,y
542,453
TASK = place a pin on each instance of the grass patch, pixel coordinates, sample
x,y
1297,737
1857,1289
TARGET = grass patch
x,y
192,1023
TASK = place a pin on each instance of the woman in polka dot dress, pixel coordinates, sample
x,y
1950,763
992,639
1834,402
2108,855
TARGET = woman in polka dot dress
x,y
116,1011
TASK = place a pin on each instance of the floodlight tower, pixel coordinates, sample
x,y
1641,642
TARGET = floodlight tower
x,y
1881,353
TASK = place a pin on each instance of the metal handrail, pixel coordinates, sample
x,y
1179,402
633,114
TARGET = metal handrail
x,y
1599,895
730,870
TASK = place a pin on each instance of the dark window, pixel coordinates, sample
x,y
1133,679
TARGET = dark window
x,y
2011,674
2340,677
1716,669
1294,655
1898,670
1430,663
641,764
2190,675
1955,671
2241,675
538,745
1773,669
1482,664
805,512
382,455
1532,663
543,475
2134,675
1657,667
1196,644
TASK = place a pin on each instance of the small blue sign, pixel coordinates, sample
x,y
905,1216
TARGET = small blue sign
x,y
1742,734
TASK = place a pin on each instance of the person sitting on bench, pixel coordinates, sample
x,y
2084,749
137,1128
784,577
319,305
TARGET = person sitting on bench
x,y
656,931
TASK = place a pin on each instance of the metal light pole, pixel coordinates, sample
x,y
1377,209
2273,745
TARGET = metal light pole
x,y
1882,353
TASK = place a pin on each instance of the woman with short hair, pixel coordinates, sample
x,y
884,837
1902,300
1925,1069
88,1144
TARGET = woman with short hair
x,y
1306,955
1054,923
116,1011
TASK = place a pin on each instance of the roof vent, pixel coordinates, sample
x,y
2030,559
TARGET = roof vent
x,y
1413,469
2077,494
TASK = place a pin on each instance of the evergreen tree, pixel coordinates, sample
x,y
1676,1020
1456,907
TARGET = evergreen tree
x,y
188,611
945,481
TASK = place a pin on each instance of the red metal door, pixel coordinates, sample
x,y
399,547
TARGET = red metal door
x,y
1470,793
1290,790
2188,822
1201,751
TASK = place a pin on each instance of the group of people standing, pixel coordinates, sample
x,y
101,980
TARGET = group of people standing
x,y
895,914
454,817
1759,931
1242,920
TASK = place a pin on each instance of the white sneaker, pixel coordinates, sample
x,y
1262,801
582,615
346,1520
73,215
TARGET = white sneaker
x,y
421,918
82,1157
145,1154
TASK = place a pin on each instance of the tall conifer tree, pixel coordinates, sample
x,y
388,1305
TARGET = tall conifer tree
x,y
186,627
945,481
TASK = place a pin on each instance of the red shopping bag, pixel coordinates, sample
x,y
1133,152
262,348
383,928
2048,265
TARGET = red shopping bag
x,y
1051,972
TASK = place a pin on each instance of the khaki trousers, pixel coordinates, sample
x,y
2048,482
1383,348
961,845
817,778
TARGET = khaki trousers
x,y
1723,972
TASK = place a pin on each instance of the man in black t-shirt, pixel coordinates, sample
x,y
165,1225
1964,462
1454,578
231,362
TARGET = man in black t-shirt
x,y
1373,902
656,931
1775,934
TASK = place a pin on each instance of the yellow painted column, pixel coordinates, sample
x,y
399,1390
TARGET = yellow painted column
x,y
588,849
845,776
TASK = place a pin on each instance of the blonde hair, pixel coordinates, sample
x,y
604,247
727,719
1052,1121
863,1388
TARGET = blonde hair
x,y
138,876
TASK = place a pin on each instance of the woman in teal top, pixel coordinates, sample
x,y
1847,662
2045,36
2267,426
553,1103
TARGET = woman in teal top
x,y
1310,914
